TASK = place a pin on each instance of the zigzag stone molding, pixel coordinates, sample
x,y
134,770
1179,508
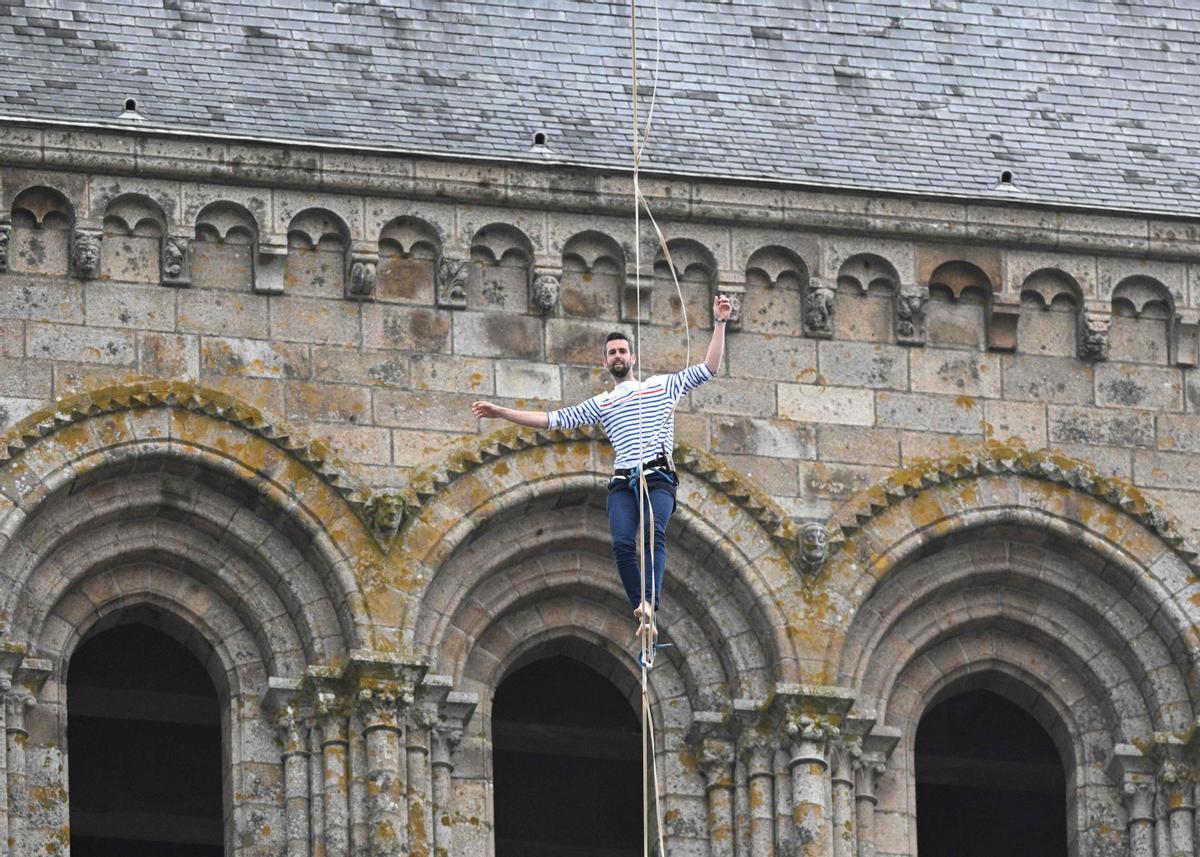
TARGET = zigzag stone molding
x,y
191,397
994,458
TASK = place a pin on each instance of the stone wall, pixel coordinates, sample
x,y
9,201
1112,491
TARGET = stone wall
x,y
894,365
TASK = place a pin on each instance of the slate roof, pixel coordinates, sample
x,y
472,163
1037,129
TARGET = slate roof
x,y
1084,101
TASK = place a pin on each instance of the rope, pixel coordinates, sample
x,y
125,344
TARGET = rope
x,y
640,138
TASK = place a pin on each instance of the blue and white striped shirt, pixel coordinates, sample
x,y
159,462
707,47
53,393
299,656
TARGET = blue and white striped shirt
x,y
628,406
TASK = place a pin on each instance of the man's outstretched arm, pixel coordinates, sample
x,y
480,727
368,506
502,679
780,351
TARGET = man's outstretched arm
x,y
533,419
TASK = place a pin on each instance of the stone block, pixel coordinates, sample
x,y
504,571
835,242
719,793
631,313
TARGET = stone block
x,y
405,328
579,383
778,358
923,412
821,404
327,322
763,438
221,313
15,408
1101,426
955,323
359,444
26,378
427,410
169,355
496,335
266,394
867,317
954,373
1108,460
1024,421
777,477
832,481
520,380
692,429
1126,386
255,358
327,402
142,307
1166,470
724,396
419,448
1063,380
858,445
70,378
350,366
452,374
863,364
1178,433
579,343
12,337
41,300
84,344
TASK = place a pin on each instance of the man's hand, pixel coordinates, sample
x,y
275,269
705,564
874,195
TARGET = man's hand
x,y
486,410
722,308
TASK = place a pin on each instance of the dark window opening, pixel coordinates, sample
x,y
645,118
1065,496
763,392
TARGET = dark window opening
x,y
131,104
1006,177
990,782
144,738
539,139
567,764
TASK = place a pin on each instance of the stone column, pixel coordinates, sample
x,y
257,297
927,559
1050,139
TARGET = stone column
x,y
387,805
1139,803
17,702
760,772
1175,781
5,688
846,754
335,776
294,740
420,819
445,739
808,767
715,756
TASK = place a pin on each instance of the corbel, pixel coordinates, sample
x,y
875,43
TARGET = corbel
x,y
269,264
634,296
818,308
1185,333
911,301
1003,315
362,269
5,234
86,249
176,260
544,290
450,278
1095,320
736,292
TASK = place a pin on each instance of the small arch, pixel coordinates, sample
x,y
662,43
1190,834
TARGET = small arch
x,y
867,285
318,245
134,226
696,270
960,280
501,256
42,218
1143,315
1049,318
593,275
223,252
959,293
408,252
775,281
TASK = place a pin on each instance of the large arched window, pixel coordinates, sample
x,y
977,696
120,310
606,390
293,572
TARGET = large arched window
x,y
990,781
144,743
567,764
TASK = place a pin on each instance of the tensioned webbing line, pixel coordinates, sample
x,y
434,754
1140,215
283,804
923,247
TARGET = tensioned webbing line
x,y
640,138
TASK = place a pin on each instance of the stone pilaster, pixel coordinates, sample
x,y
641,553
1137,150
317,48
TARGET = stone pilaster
x,y
1135,773
18,701
844,755
453,716
335,774
877,747
270,264
1003,315
1176,782
715,756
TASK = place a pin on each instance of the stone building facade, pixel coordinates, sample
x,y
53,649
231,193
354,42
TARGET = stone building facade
x,y
954,446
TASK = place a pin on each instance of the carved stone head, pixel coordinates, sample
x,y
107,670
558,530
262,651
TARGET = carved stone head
x,y
1093,338
384,513
362,280
545,292
85,254
814,545
818,310
173,254
452,281
910,309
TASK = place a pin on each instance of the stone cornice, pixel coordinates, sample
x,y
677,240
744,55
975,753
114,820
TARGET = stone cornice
x,y
994,458
595,190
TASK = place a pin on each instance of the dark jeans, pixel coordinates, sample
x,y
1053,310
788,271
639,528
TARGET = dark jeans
x,y
623,521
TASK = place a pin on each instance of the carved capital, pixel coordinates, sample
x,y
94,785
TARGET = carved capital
x,y
5,231
453,715
383,706
451,279
85,252
543,294
1176,779
715,757
845,754
175,255
1093,335
1138,795
18,701
330,712
291,730
362,276
445,739
910,315
818,309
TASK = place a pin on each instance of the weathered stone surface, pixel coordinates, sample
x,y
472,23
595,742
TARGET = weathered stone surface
x,y
955,373
853,364
254,358
1103,427
820,404
222,313
763,438
1124,386
90,345
326,322
487,335
960,414
1047,379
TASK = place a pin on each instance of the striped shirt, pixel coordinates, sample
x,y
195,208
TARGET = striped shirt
x,y
636,419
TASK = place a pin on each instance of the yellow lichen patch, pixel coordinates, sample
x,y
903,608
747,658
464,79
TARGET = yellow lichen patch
x,y
966,403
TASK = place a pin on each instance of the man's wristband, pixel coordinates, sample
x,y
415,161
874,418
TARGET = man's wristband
x,y
722,320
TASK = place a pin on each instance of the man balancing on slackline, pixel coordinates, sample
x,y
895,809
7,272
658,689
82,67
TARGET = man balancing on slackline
x,y
637,417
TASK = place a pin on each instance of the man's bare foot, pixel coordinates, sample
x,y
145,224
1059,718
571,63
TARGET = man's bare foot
x,y
645,617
